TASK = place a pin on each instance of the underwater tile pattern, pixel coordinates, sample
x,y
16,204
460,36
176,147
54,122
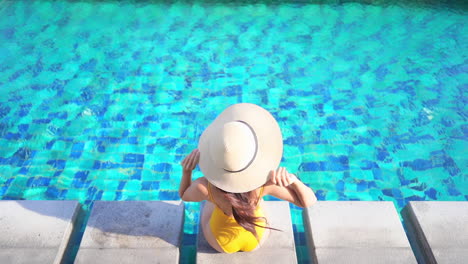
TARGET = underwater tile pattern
x,y
101,100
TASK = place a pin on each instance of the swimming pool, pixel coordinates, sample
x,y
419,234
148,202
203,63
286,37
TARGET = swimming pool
x,y
100,100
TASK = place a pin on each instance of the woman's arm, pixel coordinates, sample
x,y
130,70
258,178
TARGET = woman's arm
x,y
192,191
287,186
188,165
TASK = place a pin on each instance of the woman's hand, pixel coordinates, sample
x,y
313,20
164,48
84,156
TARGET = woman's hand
x,y
191,161
282,177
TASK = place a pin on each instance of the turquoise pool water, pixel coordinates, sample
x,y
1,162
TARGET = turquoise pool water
x,y
101,100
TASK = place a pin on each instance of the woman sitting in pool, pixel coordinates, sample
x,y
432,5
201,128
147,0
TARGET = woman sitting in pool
x,y
239,154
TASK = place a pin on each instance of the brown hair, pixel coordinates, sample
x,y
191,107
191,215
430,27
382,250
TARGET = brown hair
x,y
243,209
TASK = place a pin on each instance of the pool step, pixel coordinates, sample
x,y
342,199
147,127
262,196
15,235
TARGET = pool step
x,y
132,232
36,231
356,232
278,248
439,230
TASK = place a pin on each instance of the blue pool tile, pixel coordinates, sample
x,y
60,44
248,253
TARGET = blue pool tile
x,y
50,144
419,164
8,32
453,191
362,186
340,186
451,166
97,165
89,65
150,148
98,195
150,185
431,193
38,182
91,192
182,150
121,185
321,195
134,158
414,198
362,140
52,192
146,185
23,170
387,192
100,147
58,115
368,165
63,194
9,181
167,142
81,175
162,167
79,183
24,110
55,67
58,164
16,75
165,125
420,187
382,154
397,193
132,140
136,175
168,195
3,190
118,196
119,117
78,147
312,166
381,72
4,111
12,136
377,173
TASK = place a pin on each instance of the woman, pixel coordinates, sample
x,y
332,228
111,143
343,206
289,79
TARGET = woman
x,y
239,154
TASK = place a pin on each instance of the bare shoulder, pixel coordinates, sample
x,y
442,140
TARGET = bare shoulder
x,y
201,184
197,191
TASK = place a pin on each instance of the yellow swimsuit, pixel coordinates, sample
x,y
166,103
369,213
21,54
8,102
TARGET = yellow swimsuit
x,y
230,235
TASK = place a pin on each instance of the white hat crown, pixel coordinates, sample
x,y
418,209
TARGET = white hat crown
x,y
240,148
236,148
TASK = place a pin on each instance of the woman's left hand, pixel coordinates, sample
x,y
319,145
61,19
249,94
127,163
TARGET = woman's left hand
x,y
282,177
191,161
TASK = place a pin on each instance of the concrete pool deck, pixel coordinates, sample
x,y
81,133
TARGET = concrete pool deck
x,y
133,232
439,230
356,232
149,231
36,231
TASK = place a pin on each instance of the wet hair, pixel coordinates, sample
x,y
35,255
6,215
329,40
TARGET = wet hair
x,y
243,209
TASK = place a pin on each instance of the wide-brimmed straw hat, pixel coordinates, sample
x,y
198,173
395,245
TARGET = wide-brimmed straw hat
x,y
240,148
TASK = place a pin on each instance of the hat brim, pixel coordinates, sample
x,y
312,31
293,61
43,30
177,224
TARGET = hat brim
x,y
269,149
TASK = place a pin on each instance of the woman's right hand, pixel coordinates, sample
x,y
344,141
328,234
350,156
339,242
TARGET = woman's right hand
x,y
191,161
282,177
